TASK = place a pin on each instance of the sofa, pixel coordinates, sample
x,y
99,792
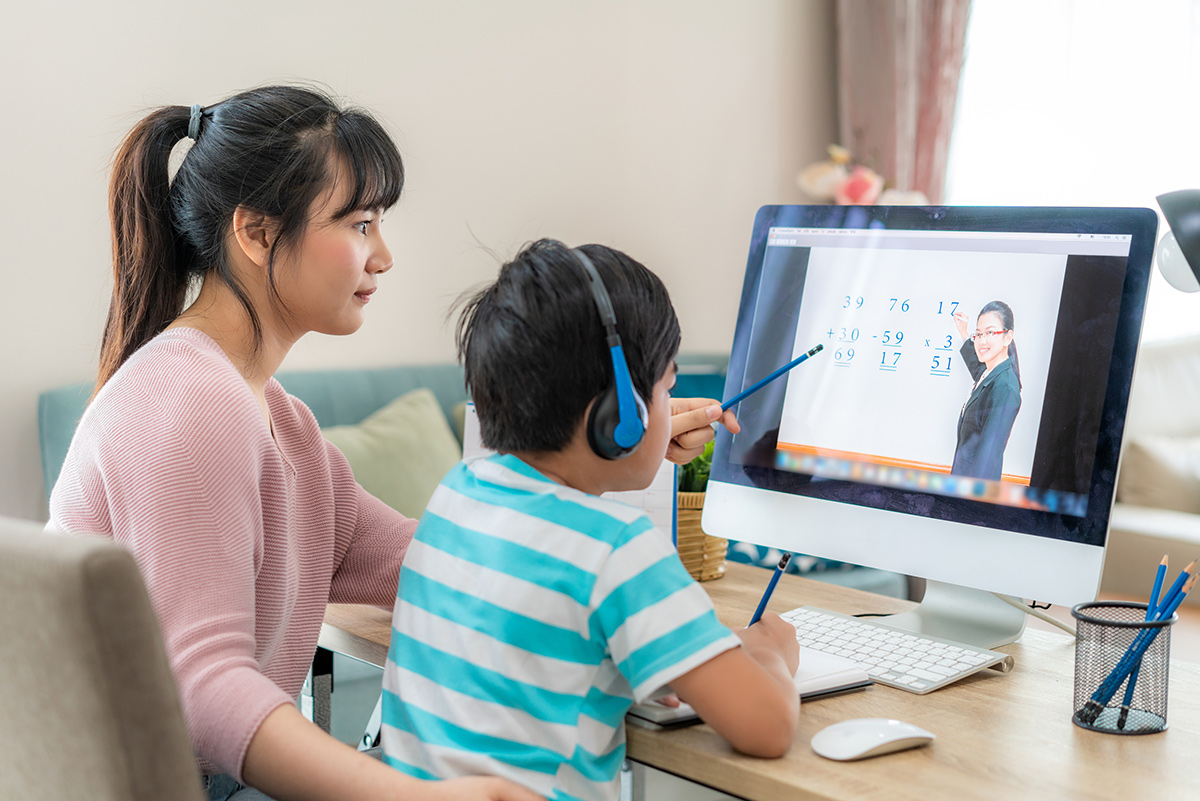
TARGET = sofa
x,y
401,430
1157,507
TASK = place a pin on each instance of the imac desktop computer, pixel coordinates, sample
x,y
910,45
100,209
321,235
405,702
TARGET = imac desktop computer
x,y
963,422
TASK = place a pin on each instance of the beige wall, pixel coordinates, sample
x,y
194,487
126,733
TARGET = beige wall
x,y
657,127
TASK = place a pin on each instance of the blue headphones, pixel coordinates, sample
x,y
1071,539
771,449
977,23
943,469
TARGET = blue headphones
x,y
617,422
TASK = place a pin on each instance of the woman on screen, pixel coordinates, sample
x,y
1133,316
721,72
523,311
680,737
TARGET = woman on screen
x,y
987,417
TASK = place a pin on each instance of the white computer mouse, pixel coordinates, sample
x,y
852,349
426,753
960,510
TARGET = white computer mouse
x,y
867,737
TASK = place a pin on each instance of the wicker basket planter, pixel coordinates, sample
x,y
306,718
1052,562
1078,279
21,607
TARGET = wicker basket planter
x,y
702,555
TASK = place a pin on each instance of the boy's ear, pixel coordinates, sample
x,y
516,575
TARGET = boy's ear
x,y
255,234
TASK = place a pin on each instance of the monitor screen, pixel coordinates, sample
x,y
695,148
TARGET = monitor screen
x,y
963,420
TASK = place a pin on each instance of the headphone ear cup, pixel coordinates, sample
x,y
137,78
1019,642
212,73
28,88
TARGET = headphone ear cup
x,y
602,425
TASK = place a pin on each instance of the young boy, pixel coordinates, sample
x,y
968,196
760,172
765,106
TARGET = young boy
x,y
531,612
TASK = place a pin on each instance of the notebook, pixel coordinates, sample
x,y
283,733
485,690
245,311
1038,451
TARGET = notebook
x,y
819,674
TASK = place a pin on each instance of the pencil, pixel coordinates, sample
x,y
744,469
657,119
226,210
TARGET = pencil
x,y
1158,582
762,605
756,387
1159,574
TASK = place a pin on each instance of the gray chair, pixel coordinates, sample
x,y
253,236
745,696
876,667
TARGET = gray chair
x,y
88,701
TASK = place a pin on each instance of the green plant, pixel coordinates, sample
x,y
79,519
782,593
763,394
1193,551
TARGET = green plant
x,y
694,475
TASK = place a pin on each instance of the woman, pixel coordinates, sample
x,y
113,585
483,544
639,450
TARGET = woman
x,y
987,417
243,520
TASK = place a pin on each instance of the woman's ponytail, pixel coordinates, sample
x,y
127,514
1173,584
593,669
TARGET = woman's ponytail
x,y
150,261
1005,313
1012,357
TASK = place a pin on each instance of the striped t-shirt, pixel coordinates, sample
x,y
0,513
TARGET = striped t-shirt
x,y
530,617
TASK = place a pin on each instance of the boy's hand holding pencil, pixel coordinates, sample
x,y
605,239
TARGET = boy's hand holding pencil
x,y
775,634
691,426
692,418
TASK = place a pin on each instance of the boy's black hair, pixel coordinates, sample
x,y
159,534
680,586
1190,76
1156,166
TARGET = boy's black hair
x,y
534,348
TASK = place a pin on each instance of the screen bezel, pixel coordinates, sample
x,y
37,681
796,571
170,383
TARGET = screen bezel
x,y
1029,552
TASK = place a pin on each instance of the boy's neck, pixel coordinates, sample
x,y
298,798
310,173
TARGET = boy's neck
x,y
575,466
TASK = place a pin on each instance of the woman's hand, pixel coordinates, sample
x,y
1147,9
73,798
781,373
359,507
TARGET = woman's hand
x,y
290,758
691,426
478,788
960,322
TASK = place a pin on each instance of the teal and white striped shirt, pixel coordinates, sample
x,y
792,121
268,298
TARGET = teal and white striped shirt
x,y
530,617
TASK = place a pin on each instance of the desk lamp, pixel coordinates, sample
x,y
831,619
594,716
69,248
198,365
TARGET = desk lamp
x,y
1179,250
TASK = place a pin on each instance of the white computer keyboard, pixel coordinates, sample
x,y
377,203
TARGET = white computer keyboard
x,y
892,656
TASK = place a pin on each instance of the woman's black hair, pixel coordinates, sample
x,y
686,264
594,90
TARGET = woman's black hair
x,y
1002,310
534,347
271,150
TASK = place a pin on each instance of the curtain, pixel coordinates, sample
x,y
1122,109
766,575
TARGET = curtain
x,y
899,63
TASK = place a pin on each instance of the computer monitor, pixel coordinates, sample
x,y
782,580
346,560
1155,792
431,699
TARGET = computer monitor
x,y
906,446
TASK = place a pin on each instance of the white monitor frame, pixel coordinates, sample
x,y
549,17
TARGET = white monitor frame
x,y
1048,568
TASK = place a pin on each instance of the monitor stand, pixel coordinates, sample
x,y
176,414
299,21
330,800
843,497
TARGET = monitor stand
x,y
973,617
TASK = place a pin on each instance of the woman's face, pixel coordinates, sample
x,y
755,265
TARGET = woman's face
x,y
991,339
329,278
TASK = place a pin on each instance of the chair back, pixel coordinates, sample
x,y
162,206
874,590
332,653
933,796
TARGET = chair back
x,y
89,704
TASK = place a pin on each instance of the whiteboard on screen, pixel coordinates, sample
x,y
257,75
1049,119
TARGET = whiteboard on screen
x,y
891,383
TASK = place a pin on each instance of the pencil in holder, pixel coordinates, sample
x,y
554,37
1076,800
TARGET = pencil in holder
x,y
1115,646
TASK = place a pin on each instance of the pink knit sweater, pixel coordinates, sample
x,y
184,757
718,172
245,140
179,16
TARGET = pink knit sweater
x,y
242,538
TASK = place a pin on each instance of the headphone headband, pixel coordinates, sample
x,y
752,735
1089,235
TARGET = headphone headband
x,y
599,292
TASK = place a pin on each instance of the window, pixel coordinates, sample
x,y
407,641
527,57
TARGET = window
x,y
1084,102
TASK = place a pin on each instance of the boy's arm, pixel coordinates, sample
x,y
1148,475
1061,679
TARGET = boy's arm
x,y
747,694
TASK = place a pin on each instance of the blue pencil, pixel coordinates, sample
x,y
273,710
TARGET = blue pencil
x,y
756,387
1151,605
1158,582
762,605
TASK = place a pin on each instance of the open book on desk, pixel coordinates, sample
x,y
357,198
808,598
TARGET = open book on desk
x,y
819,674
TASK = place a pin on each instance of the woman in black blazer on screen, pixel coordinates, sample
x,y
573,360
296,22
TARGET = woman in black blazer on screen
x,y
987,417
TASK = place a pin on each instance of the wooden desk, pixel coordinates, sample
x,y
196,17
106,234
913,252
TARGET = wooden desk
x,y
999,736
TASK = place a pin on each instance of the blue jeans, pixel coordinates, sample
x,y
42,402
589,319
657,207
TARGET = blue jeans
x,y
223,787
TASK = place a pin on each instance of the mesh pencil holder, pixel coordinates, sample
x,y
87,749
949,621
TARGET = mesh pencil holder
x,y
1110,635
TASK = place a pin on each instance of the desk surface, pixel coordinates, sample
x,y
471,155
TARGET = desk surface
x,y
999,736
